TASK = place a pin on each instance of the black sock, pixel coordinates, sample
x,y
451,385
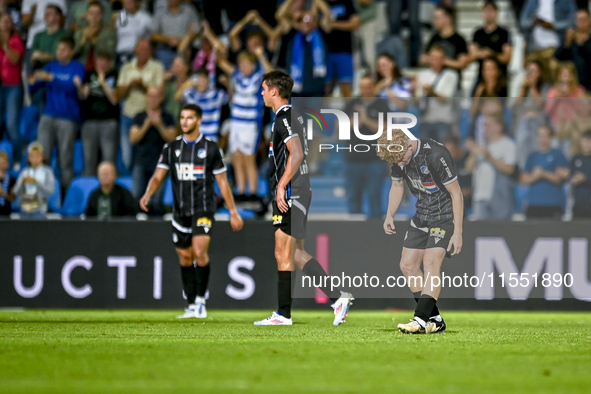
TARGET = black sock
x,y
435,310
189,283
425,307
416,295
313,269
284,294
202,274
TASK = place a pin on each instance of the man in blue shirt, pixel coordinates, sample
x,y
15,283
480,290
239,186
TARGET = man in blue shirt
x,y
59,122
580,167
545,171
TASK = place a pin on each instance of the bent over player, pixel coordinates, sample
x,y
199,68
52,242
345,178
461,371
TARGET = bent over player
x,y
292,194
435,231
195,162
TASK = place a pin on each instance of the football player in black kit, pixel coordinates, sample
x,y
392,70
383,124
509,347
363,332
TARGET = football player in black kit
x,y
435,231
290,186
195,163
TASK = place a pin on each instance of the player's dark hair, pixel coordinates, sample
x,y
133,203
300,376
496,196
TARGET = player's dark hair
x,y
69,41
56,8
279,80
490,3
193,107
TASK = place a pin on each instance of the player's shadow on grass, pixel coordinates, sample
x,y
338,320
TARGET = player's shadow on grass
x,y
395,330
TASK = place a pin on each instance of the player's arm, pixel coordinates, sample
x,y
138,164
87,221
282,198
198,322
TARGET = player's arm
x,y
153,185
456,242
296,155
394,199
235,219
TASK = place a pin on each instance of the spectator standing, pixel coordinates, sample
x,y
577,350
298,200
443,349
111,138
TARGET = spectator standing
x,y
100,111
110,199
577,47
435,88
12,52
151,129
255,37
460,156
491,41
34,16
453,45
94,38
545,172
174,80
580,167
61,116
6,185
367,32
8,6
132,24
365,171
134,78
339,42
528,111
35,184
45,42
545,23
170,26
246,115
491,166
210,99
392,85
78,15
395,9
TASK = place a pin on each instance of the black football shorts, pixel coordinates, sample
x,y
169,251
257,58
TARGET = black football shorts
x,y
423,234
184,228
294,222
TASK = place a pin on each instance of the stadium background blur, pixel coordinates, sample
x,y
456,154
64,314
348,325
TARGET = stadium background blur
x,y
520,67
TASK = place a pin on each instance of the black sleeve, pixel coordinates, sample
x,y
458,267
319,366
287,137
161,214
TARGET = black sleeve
x,y
396,172
92,207
283,128
217,161
462,47
164,159
563,53
129,207
477,38
442,165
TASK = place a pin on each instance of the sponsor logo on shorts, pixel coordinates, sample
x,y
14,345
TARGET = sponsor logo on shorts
x,y
438,234
277,219
204,222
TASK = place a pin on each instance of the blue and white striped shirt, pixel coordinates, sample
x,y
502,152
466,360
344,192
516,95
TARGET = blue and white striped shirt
x,y
211,102
247,102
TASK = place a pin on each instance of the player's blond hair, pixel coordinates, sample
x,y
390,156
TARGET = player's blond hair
x,y
392,150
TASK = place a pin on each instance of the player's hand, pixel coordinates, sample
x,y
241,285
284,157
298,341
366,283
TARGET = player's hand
x,y
389,227
455,244
236,221
144,201
281,201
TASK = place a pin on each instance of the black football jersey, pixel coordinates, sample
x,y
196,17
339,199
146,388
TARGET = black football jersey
x,y
283,131
429,171
192,167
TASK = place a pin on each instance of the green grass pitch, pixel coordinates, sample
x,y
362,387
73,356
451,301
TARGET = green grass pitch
x,y
63,351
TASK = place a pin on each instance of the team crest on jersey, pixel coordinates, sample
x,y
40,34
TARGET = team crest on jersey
x,y
438,234
204,222
424,170
177,152
201,153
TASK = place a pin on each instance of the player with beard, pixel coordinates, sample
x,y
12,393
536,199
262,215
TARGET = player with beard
x,y
292,194
435,231
195,162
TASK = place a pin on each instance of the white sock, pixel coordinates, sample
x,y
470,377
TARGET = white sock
x,y
420,321
200,300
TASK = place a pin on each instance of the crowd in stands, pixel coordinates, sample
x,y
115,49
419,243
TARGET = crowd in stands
x,y
113,75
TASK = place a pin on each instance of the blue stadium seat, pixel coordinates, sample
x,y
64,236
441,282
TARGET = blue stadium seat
x,y
6,146
54,202
126,182
77,195
78,158
326,195
168,198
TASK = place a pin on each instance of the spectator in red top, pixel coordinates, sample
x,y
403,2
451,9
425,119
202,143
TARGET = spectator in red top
x,y
11,91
